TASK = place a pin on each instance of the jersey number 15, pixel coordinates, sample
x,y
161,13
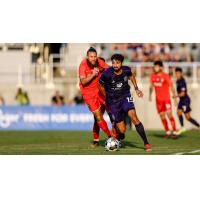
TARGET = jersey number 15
x,y
130,99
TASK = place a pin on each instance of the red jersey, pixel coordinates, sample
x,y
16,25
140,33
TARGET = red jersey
x,y
84,70
161,82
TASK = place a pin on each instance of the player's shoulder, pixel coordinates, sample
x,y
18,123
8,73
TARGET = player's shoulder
x,y
165,74
101,62
152,75
109,70
126,68
182,80
83,62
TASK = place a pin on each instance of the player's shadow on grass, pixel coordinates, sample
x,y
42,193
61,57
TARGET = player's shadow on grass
x,y
124,144
162,135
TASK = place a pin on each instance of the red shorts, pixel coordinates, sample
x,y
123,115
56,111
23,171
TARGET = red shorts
x,y
94,102
163,106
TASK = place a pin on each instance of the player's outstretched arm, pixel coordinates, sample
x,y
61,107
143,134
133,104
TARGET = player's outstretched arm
x,y
134,82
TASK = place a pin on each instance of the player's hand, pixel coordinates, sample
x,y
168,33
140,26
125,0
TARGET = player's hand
x,y
95,72
139,93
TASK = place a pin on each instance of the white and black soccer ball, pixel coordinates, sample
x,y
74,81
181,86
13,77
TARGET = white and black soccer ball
x,y
112,144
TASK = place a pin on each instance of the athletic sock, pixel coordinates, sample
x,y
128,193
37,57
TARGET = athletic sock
x,y
103,125
165,124
173,123
181,120
96,130
194,122
140,129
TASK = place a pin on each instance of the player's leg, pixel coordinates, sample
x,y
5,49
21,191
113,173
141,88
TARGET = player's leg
x,y
180,117
160,106
191,120
181,120
187,110
139,127
165,124
114,132
95,105
117,116
168,109
173,123
101,121
121,127
96,130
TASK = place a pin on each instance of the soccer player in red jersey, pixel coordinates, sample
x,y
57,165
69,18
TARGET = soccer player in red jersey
x,y
90,71
162,83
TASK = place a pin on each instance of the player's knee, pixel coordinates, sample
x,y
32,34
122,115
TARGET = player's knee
x,y
187,117
162,116
135,120
179,113
122,129
98,117
169,114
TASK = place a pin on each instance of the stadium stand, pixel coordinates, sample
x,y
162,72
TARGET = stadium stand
x,y
43,68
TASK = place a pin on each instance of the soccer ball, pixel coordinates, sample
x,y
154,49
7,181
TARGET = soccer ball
x,y
112,144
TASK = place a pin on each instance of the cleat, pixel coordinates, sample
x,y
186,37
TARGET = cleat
x,y
95,144
147,147
167,136
182,130
174,136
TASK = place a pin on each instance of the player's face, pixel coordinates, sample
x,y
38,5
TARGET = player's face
x,y
92,58
178,75
117,65
157,68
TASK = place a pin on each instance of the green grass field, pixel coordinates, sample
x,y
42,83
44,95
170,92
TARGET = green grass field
x,y
76,142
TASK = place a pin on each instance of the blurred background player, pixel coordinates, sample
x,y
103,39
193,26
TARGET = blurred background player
x,y
162,83
184,101
114,86
57,99
90,71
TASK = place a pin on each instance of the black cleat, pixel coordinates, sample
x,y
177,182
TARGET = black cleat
x,y
95,144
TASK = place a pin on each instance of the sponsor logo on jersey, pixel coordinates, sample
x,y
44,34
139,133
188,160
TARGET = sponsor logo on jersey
x,y
119,85
125,78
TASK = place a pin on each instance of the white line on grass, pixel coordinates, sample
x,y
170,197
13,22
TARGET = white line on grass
x,y
195,151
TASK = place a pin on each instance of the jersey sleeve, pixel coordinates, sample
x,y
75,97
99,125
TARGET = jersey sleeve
x,y
102,65
128,71
103,79
183,86
82,69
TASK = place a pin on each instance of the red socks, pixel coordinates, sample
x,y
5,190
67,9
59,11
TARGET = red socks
x,y
165,124
103,125
96,131
173,123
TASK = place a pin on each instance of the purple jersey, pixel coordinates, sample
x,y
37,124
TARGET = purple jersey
x,y
116,86
181,86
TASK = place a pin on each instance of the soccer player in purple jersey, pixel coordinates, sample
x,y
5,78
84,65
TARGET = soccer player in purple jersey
x,y
113,84
184,101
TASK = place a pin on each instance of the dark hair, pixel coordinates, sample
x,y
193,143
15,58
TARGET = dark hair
x,y
158,62
118,57
178,69
91,49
